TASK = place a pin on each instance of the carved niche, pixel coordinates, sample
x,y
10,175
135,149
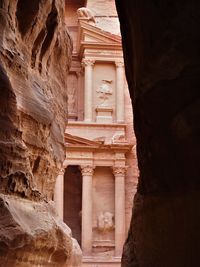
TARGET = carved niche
x,y
104,92
105,221
72,94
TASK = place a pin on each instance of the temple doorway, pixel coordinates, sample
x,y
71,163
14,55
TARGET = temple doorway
x,y
73,200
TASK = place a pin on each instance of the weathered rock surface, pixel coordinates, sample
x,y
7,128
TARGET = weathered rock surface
x,y
161,44
32,234
35,54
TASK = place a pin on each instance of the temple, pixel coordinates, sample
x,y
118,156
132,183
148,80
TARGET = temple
x,y
91,191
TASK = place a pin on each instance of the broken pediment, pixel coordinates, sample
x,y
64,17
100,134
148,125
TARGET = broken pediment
x,y
92,36
80,141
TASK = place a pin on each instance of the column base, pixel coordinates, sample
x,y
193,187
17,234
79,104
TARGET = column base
x,y
104,115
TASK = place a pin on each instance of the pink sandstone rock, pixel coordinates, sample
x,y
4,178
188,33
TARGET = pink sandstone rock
x,y
35,53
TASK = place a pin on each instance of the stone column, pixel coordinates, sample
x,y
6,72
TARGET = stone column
x,y
119,91
59,193
88,87
87,173
119,173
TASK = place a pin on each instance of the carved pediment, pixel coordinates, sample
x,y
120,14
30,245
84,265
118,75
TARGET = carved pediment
x,y
91,36
80,141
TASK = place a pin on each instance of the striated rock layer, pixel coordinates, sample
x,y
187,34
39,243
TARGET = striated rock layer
x,y
161,47
35,54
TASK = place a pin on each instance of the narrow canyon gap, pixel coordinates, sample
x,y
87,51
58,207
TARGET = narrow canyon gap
x,y
161,41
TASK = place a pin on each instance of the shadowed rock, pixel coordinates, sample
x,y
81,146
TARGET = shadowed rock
x,y
161,45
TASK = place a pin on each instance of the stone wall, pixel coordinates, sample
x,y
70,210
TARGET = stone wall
x,y
35,51
161,46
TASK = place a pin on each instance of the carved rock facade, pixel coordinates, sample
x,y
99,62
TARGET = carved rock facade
x,y
94,196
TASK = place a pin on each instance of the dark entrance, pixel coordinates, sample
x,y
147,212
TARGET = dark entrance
x,y
73,200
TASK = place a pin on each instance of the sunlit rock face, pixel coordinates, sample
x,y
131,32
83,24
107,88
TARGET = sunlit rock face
x,y
161,44
35,51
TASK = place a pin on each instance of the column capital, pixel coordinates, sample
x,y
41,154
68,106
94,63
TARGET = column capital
x,y
88,62
119,170
119,63
87,170
65,164
61,171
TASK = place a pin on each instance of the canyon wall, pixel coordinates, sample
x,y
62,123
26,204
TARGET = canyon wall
x,y
35,51
161,43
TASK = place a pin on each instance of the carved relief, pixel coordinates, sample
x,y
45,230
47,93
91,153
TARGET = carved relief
x,y
104,92
119,138
85,13
72,102
105,221
72,94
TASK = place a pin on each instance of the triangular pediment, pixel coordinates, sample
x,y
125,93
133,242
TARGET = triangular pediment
x,y
80,141
88,37
90,34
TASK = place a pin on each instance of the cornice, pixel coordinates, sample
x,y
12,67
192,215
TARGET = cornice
x,y
96,125
124,148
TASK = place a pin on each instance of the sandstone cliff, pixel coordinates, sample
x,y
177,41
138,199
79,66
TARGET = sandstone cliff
x,y
35,51
161,47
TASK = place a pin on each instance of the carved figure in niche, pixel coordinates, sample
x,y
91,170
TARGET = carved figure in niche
x,y
84,12
119,138
72,98
104,91
105,221
71,103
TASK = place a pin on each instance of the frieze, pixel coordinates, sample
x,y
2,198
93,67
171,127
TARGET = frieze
x,y
73,155
103,52
103,156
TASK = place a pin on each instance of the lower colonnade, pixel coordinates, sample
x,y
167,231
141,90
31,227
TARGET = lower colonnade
x,y
87,239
